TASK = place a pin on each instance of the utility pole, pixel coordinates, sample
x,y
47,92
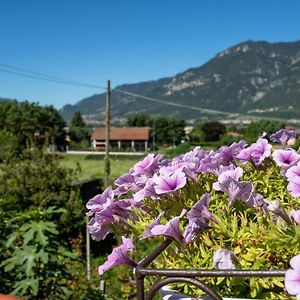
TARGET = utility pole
x,y
153,136
107,138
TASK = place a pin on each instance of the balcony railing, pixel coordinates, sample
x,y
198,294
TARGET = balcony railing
x,y
188,276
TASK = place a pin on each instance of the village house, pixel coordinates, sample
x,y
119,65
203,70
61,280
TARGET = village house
x,y
121,138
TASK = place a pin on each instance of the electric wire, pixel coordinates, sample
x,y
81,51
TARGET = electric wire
x,y
40,76
55,79
212,111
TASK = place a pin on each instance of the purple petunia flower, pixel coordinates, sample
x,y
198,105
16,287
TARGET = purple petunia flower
x,y
147,166
147,232
279,211
286,158
200,210
170,229
257,152
98,230
198,217
226,155
119,256
227,172
147,191
235,189
294,186
292,277
223,260
169,182
283,136
192,229
295,214
98,202
258,202
293,172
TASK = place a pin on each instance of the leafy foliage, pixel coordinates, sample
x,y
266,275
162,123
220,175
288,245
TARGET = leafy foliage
x,y
77,120
32,124
254,129
163,131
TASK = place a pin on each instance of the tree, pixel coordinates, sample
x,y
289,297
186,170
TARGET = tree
x,y
32,124
139,120
255,129
77,120
167,131
196,135
213,131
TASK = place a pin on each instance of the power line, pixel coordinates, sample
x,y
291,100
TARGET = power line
x,y
40,76
55,79
212,111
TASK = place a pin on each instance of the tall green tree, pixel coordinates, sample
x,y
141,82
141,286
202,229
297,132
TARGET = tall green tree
x,y
213,131
77,120
139,120
32,123
255,129
163,130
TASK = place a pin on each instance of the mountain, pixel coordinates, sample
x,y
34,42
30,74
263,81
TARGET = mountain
x,y
252,77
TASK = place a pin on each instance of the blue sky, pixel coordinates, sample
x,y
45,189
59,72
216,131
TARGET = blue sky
x,y
126,41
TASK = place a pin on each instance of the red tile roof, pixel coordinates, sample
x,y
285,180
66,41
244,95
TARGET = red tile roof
x,y
122,133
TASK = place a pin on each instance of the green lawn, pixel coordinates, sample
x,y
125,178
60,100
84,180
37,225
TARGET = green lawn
x,y
92,166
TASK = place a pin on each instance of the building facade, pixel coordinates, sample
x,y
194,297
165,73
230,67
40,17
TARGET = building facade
x,y
121,138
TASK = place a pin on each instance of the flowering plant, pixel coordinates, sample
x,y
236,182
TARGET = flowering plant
x,y
233,208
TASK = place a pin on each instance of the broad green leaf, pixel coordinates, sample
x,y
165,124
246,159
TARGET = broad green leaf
x,y
36,231
30,285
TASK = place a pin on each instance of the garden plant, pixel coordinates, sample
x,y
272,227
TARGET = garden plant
x,y
233,208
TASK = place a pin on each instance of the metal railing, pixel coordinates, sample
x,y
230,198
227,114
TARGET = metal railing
x,y
188,276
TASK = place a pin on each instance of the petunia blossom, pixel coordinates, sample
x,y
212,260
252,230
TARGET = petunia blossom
x,y
294,186
295,215
198,217
279,211
169,182
226,155
286,158
98,202
147,232
292,277
293,172
257,152
200,210
225,173
119,256
170,229
235,189
147,166
283,136
192,230
224,260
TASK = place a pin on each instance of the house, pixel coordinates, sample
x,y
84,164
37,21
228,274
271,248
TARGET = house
x,y
122,138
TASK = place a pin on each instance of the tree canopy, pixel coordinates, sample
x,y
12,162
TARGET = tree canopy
x,y
163,130
32,123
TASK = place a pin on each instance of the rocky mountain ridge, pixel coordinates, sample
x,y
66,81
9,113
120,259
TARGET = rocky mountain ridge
x,y
252,77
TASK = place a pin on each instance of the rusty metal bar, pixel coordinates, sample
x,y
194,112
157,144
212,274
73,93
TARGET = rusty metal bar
x,y
193,273
188,276
202,286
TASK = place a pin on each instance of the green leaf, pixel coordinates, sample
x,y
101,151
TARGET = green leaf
x,y
30,285
34,231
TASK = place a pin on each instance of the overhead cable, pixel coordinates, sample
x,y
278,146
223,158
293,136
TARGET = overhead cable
x,y
40,76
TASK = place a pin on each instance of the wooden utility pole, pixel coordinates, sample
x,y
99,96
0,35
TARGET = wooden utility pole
x,y
107,138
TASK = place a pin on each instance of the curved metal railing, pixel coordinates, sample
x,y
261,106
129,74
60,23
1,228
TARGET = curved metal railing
x,y
188,276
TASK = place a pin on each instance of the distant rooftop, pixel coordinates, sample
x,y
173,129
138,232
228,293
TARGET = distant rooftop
x,y
122,133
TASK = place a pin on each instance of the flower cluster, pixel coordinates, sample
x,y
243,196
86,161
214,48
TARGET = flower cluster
x,y
181,197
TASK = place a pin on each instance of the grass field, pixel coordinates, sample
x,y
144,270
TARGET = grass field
x,y
92,166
